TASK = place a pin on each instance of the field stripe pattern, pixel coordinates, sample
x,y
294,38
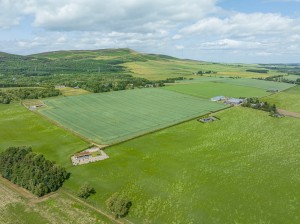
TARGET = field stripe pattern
x,y
117,116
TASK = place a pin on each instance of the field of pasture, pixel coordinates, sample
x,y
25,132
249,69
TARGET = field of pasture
x,y
255,83
25,208
242,168
117,116
287,100
210,89
21,127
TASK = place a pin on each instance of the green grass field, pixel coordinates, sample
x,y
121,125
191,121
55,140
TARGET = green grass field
x,y
261,84
16,208
21,127
162,69
116,116
287,100
210,89
242,168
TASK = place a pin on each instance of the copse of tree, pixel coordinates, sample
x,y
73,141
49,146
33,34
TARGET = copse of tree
x,y
119,205
85,191
256,104
257,70
6,96
31,171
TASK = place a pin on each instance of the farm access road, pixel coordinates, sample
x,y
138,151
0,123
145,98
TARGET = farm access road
x,y
289,113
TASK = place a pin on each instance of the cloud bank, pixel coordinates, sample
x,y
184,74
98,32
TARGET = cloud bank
x,y
196,29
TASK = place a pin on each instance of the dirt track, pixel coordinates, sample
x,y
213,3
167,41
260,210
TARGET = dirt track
x,y
289,113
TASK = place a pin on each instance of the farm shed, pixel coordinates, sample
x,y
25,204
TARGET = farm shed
x,y
217,98
207,119
234,101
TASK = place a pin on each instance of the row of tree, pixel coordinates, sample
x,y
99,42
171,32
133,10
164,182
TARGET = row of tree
x,y
31,171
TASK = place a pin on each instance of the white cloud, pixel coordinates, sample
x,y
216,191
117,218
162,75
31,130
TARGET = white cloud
x,y
132,15
9,15
243,25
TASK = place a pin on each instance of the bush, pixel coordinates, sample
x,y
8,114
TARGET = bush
x,y
86,190
118,205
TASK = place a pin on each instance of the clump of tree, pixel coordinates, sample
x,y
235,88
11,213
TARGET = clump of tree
x,y
7,95
258,70
205,72
31,171
4,97
119,205
85,191
256,104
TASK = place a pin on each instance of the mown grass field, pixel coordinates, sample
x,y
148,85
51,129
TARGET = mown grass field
x,y
256,83
116,116
21,127
243,168
210,89
15,208
287,100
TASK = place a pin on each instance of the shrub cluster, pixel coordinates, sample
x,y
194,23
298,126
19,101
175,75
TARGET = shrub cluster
x,y
256,104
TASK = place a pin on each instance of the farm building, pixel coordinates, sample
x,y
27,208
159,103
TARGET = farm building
x,y
234,101
217,98
90,155
207,119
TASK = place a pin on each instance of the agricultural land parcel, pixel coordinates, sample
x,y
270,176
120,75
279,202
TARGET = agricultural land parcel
x,y
287,100
58,208
219,172
215,173
168,68
211,89
255,83
116,116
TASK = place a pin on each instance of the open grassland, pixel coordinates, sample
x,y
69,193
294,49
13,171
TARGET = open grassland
x,y
287,100
210,89
58,208
162,69
256,83
243,168
69,91
21,127
116,116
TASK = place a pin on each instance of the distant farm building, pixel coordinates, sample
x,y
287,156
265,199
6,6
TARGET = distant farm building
x,y
34,107
217,98
234,101
207,119
272,90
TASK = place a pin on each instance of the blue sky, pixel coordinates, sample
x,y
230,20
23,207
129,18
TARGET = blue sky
x,y
248,31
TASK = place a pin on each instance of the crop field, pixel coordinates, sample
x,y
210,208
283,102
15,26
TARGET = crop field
x,y
21,127
59,208
287,100
210,89
69,91
256,83
116,116
243,168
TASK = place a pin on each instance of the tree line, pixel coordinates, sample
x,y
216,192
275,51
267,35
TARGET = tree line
x,y
7,95
31,171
